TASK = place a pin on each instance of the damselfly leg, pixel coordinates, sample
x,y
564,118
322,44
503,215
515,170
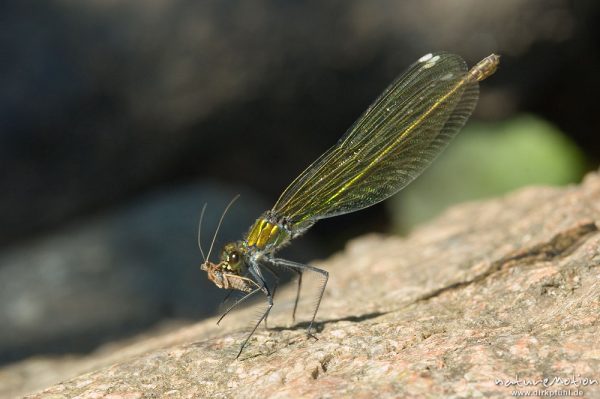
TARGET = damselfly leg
x,y
276,284
288,264
276,277
240,300
256,273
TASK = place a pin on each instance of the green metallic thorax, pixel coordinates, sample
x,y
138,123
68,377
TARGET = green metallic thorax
x,y
265,235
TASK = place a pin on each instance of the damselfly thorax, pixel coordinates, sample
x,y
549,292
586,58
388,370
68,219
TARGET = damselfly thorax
x,y
267,235
393,142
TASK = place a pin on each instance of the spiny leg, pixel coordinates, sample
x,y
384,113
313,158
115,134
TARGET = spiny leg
x,y
275,283
242,299
301,267
274,273
275,276
253,269
237,302
299,272
226,297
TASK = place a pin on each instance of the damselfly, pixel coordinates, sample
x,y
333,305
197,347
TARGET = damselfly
x,y
396,138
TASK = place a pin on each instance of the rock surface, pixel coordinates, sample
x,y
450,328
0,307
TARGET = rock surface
x,y
489,295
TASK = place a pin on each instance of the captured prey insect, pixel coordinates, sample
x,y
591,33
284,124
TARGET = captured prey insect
x,y
396,138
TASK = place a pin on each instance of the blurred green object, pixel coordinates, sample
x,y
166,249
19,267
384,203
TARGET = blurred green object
x,y
487,160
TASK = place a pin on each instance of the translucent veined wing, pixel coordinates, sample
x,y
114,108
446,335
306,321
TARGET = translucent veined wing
x,y
396,138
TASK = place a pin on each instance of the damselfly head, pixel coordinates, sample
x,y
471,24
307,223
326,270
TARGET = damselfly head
x,y
231,265
232,258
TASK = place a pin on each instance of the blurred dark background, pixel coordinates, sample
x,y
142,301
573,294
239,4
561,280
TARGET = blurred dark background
x,y
118,120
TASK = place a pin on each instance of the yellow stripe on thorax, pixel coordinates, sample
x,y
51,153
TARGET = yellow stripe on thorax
x,y
265,233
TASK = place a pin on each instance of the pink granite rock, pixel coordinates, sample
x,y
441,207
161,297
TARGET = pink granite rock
x,y
488,299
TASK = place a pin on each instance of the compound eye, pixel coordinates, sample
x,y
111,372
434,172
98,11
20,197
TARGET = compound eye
x,y
234,257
